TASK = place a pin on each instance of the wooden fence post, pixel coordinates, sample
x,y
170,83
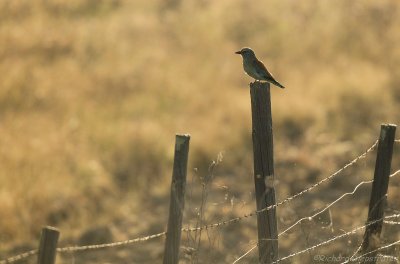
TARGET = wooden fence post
x,y
264,171
48,245
379,192
177,200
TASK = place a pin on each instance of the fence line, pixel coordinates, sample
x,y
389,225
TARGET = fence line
x,y
321,211
361,244
195,229
331,240
334,202
355,230
20,256
288,199
109,245
373,251
83,248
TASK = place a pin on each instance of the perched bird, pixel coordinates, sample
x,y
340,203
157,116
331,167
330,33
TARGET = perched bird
x,y
255,68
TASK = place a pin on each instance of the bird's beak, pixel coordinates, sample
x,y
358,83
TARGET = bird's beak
x,y
238,52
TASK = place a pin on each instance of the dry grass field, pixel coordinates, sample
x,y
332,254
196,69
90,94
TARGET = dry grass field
x,y
92,93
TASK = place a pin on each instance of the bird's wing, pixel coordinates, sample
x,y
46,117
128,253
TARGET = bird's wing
x,y
262,70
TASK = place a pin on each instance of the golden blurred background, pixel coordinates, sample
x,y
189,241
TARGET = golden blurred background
x,y
92,93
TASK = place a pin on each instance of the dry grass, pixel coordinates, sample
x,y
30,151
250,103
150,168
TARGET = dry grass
x,y
92,93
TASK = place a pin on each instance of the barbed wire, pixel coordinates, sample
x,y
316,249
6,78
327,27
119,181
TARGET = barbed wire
x,y
114,244
324,209
372,251
331,240
20,256
288,199
355,230
360,245
391,223
205,227
332,203
321,211
82,248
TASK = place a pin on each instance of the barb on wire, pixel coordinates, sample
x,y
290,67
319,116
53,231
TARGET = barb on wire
x,y
288,199
355,230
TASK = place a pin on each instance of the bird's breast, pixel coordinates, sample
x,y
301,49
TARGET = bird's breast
x,y
249,68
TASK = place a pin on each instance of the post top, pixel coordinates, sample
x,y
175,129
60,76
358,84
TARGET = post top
x,y
181,140
259,84
389,125
50,227
183,135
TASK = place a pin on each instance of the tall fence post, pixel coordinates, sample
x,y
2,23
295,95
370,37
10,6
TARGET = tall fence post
x,y
264,171
177,200
48,245
379,192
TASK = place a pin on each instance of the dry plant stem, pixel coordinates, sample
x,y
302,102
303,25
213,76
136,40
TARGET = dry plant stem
x,y
205,185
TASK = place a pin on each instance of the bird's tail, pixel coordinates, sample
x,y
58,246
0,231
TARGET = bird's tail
x,y
277,84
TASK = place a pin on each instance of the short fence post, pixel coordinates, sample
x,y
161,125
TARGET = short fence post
x,y
264,171
379,192
177,200
48,245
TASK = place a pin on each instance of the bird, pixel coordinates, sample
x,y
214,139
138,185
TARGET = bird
x,y
255,68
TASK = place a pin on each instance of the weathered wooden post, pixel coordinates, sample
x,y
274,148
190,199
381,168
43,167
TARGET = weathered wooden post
x,y
379,192
48,245
177,200
264,171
